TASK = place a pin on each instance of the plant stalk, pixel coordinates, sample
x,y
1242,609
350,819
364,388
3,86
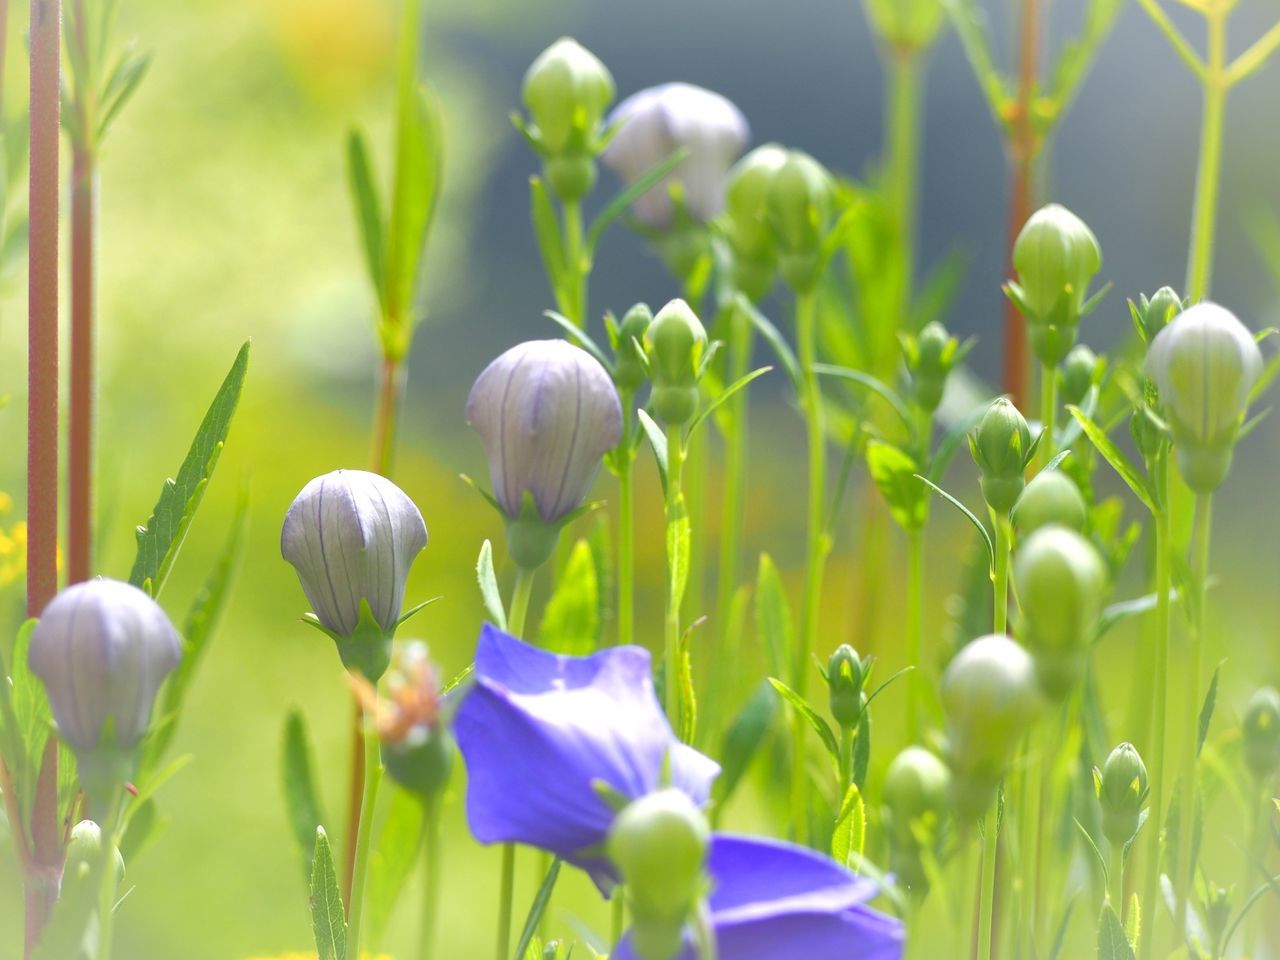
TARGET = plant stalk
x,y
372,778
675,509
987,889
431,881
915,629
627,526
1209,166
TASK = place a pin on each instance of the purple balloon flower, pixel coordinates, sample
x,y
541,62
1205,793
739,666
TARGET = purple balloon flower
x,y
771,899
541,733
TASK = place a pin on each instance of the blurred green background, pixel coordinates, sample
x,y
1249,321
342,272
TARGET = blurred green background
x,y
224,216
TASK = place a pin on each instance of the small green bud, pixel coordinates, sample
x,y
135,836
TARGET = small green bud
x,y
1055,256
1050,498
1121,785
907,26
990,695
1002,449
1061,584
675,343
1261,733
629,371
1204,364
845,676
1153,315
930,356
800,202
417,747
746,220
916,789
1079,374
659,844
84,850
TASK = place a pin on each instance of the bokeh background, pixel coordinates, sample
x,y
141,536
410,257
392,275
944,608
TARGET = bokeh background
x,y
225,216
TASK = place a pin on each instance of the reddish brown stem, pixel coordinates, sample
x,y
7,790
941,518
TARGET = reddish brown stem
x,y
354,802
1023,149
386,416
80,440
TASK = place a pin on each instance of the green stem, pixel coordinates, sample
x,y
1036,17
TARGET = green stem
x,y
109,882
520,595
626,527
1208,171
364,840
1115,878
675,509
1190,705
1048,412
506,887
1160,719
846,760
575,306
1004,548
431,880
902,137
915,629
987,891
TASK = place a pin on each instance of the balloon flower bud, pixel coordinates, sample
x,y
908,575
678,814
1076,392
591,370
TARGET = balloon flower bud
x,y
84,852
1079,374
630,370
917,788
102,649
567,90
352,535
659,844
1061,583
547,413
655,123
1051,498
417,749
906,25
1204,364
675,343
1121,785
1056,256
746,219
800,202
989,695
1002,449
1261,733
1153,315
845,676
931,355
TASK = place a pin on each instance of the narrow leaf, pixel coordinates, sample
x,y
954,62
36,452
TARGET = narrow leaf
x,y
881,389
300,793
419,170
657,440
1206,709
1119,462
978,524
642,185
489,591
368,211
327,918
538,907
743,739
801,706
850,836
775,340
774,624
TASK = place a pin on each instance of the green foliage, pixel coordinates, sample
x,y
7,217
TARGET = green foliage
x,y
327,918
743,740
809,715
391,861
160,540
774,624
489,591
850,837
1113,943
26,722
538,908
894,473
571,621
302,800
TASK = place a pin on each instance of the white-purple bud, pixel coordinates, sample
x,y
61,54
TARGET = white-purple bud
x,y
657,121
547,412
102,649
352,536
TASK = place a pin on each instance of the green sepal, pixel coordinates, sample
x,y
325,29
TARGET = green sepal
x,y
367,651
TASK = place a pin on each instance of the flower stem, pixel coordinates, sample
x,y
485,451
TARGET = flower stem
x,y
506,890
1204,217
364,841
1115,876
987,890
618,916
902,141
390,395
1048,413
520,595
431,880
627,527
915,629
1000,581
108,881
574,304
676,517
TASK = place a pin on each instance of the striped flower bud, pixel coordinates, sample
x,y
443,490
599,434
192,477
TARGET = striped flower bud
x,y
1002,449
675,342
1121,786
746,219
1204,363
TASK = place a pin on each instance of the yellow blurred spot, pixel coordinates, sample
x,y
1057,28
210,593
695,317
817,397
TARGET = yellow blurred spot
x,y
335,46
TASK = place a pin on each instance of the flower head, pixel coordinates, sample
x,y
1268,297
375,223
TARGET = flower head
x,y
917,788
549,740
1051,497
1121,786
746,219
657,121
846,673
930,356
1002,448
801,200
567,90
676,342
1204,364
1056,256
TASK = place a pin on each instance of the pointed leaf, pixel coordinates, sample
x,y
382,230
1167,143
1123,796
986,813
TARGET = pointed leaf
x,y
850,836
301,796
1206,709
489,591
368,210
743,739
657,440
810,716
1113,944
419,170
538,907
327,918
571,621
774,624
1129,473
978,524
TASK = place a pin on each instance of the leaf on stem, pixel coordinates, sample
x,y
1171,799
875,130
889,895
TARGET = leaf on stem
x,y
1113,944
571,620
978,524
850,835
368,210
774,624
489,591
419,170
1122,465
743,739
775,340
619,204
657,440
810,716
300,794
538,907
327,919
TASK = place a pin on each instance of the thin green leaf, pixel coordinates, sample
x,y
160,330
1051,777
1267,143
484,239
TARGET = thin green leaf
x,y
546,229
1092,846
419,171
327,918
970,26
978,524
160,540
538,908
810,716
850,835
775,340
743,739
579,337
894,471
642,185
399,840
657,440
120,89
881,389
774,624
301,797
724,395
368,211
1206,709
571,621
1119,462
489,591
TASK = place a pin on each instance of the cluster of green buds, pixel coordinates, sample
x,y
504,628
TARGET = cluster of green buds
x,y
1150,316
916,797
1056,256
906,26
846,675
1061,582
627,338
1050,499
1003,450
1204,365
1260,733
745,222
567,91
1121,786
659,843
930,357
989,694
676,349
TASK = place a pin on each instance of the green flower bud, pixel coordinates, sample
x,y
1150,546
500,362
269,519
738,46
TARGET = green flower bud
x,y
675,343
659,844
916,790
629,370
800,203
1204,364
1055,256
567,91
1121,785
1061,584
990,695
906,26
1002,449
1152,316
417,749
1079,374
746,220
84,850
1261,733
1050,498
930,356
845,676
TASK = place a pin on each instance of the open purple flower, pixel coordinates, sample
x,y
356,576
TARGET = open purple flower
x,y
541,734
771,899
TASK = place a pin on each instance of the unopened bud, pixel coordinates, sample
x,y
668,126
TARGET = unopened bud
x,y
1051,498
1122,790
675,343
1150,316
629,370
1079,374
845,676
931,355
1261,733
1002,449
746,219
800,205
916,793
